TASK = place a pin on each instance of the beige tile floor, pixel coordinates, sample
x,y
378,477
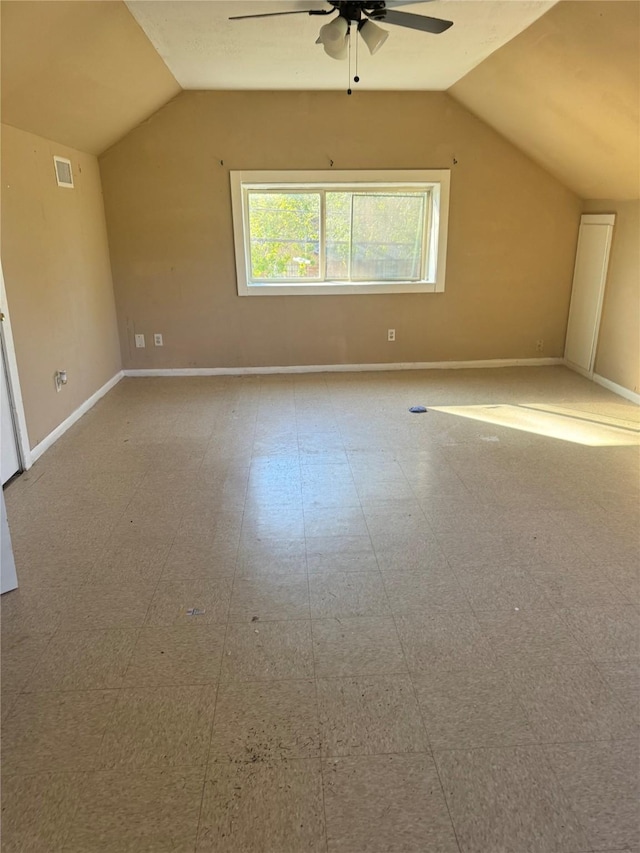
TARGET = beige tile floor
x,y
418,633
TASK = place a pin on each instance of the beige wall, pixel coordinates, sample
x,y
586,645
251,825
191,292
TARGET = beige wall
x,y
512,234
57,274
618,352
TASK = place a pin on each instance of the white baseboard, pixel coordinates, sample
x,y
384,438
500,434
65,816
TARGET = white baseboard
x,y
620,390
345,368
54,435
588,374
617,389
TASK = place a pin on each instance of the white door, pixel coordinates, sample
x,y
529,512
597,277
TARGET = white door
x,y
8,576
9,457
10,465
587,294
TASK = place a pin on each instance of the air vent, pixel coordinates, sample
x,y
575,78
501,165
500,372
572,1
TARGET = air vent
x,y
64,175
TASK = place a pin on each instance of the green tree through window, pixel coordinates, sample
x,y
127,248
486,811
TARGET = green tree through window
x,y
285,235
362,235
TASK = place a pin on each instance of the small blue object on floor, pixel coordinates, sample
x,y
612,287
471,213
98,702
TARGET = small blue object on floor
x,y
418,409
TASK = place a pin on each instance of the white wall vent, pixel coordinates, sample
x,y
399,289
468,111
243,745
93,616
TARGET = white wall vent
x,y
64,175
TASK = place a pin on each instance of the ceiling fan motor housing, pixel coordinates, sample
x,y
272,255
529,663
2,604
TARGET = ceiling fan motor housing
x,y
353,10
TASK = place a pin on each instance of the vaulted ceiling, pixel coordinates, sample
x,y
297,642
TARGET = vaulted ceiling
x,y
561,80
567,92
81,73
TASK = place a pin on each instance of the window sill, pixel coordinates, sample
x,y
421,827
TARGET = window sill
x,y
331,289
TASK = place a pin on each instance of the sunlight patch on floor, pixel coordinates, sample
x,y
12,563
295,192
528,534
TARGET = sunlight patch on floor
x,y
581,427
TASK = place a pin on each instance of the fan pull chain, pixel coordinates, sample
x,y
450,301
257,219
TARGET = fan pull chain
x,y
349,72
356,79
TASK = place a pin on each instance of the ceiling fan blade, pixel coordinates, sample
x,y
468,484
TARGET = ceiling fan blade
x,y
414,22
274,14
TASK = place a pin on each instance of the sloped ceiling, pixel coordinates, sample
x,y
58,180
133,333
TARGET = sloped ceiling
x,y
80,73
565,89
567,92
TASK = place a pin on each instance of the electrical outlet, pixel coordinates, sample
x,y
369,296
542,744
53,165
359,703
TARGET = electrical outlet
x,y
539,345
60,379
157,339
140,341
391,334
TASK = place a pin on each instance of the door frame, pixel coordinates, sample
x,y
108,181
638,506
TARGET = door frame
x,y
592,219
13,377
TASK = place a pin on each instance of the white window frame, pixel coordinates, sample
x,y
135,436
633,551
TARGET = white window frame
x,y
435,180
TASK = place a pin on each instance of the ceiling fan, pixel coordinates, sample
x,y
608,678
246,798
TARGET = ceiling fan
x,y
364,15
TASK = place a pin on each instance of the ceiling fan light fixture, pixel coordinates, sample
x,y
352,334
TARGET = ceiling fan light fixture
x,y
372,35
334,37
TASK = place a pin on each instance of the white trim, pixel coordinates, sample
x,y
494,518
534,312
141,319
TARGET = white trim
x,y
37,451
598,218
45,444
364,288
346,368
617,389
20,421
67,184
337,177
436,180
576,369
607,219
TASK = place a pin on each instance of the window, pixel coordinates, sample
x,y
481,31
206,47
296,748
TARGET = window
x,y
340,232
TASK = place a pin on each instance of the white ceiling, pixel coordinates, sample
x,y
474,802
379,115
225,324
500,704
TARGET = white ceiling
x,y
204,50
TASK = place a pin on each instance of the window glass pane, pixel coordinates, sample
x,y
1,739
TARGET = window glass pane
x,y
337,231
386,236
284,235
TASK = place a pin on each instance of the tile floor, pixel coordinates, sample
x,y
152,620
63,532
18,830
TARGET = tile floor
x,y
414,633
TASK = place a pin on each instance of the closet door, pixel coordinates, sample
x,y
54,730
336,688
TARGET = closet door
x,y
9,457
589,277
